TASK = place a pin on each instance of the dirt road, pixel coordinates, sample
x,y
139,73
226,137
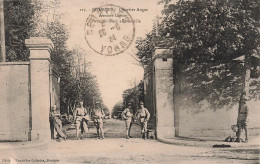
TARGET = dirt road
x,y
115,149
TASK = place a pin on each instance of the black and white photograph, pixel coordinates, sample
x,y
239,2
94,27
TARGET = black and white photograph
x,y
129,81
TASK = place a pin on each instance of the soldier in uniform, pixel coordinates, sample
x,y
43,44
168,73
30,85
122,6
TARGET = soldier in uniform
x,y
79,119
56,122
127,115
242,119
98,114
143,115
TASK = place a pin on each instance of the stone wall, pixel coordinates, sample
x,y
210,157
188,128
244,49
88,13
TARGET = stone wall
x,y
210,123
195,116
27,92
15,101
176,114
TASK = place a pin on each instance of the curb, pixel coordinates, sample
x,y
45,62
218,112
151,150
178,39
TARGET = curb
x,y
22,145
181,143
204,143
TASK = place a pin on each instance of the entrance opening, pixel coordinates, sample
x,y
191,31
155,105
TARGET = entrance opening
x,y
113,128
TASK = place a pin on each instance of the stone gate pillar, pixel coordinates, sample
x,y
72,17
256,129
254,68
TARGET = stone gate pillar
x,y
163,64
40,86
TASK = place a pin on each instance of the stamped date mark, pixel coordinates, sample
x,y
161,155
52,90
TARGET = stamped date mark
x,y
109,30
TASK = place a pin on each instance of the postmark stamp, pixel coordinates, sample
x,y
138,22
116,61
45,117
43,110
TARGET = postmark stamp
x,y
109,30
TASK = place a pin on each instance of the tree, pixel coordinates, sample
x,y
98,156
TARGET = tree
x,y
28,18
76,82
134,96
106,110
18,26
211,34
206,37
145,49
118,107
61,57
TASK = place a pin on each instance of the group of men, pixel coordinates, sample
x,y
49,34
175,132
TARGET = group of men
x,y
142,114
81,119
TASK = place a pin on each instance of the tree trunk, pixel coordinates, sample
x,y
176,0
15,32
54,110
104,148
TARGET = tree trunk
x,y
2,32
68,107
245,83
243,108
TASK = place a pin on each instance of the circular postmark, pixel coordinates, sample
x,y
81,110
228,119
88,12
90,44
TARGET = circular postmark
x,y
109,30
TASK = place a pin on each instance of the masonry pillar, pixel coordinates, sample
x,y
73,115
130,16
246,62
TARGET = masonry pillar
x,y
163,67
40,86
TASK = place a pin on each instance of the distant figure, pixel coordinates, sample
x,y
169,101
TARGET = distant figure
x,y
80,114
98,114
127,115
230,138
56,123
143,115
242,119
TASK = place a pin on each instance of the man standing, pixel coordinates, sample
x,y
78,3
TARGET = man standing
x,y
98,114
56,122
127,115
144,115
79,115
242,119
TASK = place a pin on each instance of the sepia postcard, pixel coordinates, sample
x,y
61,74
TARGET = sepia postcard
x,y
129,81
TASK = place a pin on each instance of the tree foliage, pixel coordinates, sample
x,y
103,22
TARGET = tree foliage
x,y
76,82
119,106
134,96
206,37
145,47
212,30
18,26
28,18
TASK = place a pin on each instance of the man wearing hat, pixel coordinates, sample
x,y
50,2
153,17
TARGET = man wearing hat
x,y
98,114
127,115
242,118
56,122
144,115
79,115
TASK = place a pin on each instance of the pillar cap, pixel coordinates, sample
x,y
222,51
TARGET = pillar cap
x,y
163,52
39,43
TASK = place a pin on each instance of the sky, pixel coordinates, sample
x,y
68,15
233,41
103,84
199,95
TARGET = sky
x,y
114,73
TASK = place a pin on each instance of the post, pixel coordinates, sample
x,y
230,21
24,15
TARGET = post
x,y
2,32
40,86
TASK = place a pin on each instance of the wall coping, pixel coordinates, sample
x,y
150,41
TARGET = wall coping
x,y
39,43
14,63
162,53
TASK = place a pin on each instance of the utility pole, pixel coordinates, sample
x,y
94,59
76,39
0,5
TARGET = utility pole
x,y
2,33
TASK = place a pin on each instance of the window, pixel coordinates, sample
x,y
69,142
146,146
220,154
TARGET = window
x,y
164,59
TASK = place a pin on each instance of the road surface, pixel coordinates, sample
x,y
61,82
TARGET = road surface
x,y
115,149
